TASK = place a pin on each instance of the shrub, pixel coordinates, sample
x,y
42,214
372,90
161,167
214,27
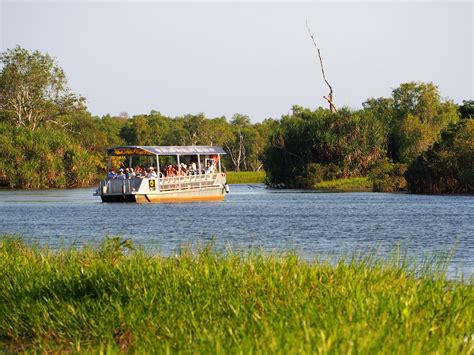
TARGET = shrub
x,y
44,158
387,176
309,146
448,167
314,173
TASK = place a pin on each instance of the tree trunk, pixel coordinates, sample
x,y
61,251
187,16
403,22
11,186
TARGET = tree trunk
x,y
329,98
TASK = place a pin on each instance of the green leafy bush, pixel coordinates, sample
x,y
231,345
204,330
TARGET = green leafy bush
x,y
314,173
448,167
387,176
310,146
44,158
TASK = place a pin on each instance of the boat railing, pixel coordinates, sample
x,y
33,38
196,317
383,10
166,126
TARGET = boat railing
x,y
123,186
183,182
186,182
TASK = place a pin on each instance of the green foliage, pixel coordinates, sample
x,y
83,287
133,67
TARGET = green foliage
x,y
243,141
245,177
44,158
387,176
315,173
47,137
299,150
211,301
448,167
466,110
242,136
413,118
69,148
355,184
33,89
310,146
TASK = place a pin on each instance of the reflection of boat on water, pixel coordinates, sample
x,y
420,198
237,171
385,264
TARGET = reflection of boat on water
x,y
194,174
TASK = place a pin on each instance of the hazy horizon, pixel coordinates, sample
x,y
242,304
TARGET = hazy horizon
x,y
256,59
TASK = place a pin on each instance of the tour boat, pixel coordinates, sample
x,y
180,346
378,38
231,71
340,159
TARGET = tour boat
x,y
182,174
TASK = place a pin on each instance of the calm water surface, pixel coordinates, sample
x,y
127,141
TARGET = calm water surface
x,y
311,224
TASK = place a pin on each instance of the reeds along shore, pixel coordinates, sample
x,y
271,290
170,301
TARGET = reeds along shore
x,y
245,177
111,298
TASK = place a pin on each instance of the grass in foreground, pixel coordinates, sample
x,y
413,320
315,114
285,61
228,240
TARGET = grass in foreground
x,y
245,177
213,301
357,184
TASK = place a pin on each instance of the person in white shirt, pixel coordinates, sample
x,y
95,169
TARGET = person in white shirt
x,y
209,168
151,173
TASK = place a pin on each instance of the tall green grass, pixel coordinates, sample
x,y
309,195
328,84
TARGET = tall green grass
x,y
356,184
245,177
206,300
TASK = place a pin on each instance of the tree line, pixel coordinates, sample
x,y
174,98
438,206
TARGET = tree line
x,y
49,139
414,139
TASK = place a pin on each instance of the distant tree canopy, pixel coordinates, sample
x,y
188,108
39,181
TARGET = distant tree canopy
x,y
49,139
309,146
46,134
44,158
33,89
243,141
381,140
466,110
414,118
448,166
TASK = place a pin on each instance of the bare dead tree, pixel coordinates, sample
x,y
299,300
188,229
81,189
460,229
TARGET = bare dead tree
x,y
329,98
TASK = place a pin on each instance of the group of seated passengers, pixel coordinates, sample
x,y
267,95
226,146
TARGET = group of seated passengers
x,y
130,173
184,170
167,171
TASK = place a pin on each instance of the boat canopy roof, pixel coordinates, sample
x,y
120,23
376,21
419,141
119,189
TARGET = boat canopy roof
x,y
165,150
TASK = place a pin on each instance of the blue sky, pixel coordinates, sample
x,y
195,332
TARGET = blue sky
x,y
221,58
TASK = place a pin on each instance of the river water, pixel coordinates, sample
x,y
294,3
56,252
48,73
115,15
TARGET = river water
x,y
308,223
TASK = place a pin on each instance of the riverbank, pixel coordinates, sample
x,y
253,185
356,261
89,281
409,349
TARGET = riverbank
x,y
245,177
113,298
356,184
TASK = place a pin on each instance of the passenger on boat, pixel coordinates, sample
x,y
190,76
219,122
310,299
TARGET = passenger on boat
x,y
209,168
151,173
139,171
184,169
120,175
192,168
169,171
111,174
215,159
132,174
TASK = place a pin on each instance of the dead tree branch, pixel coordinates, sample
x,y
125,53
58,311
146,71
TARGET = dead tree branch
x,y
329,98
